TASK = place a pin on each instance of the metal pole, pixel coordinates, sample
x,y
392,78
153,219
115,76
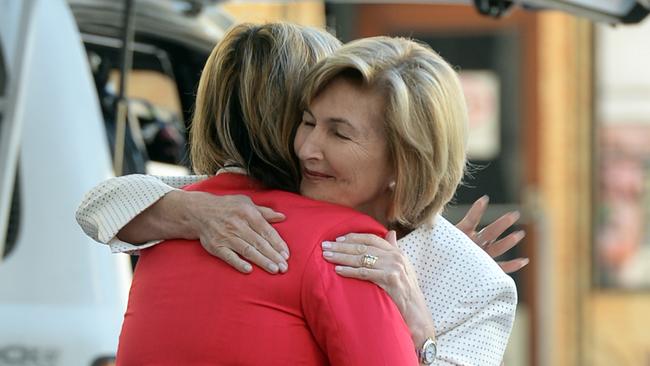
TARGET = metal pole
x,y
121,107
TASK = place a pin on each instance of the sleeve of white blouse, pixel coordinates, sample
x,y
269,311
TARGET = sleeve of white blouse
x,y
482,324
472,301
112,204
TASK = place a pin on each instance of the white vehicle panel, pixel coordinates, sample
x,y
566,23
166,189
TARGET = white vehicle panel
x,y
62,297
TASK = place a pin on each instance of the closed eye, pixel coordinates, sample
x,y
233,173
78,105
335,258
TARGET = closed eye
x,y
343,137
308,123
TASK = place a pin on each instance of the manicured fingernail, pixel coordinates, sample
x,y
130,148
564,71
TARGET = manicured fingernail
x,y
326,245
520,235
516,215
485,198
285,255
248,267
524,261
328,254
273,267
340,238
283,267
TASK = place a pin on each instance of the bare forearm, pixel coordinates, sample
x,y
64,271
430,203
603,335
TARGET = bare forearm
x,y
419,321
168,218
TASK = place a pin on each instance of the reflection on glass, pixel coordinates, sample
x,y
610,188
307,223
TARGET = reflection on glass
x,y
623,237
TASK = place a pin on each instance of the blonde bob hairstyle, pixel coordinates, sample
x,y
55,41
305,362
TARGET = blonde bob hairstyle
x,y
425,120
248,100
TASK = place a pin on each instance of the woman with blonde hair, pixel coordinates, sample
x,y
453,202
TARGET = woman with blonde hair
x,y
383,131
391,111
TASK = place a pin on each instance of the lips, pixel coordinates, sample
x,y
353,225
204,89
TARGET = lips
x,y
314,175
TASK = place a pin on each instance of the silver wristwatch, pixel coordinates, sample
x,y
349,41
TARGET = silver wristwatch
x,y
427,353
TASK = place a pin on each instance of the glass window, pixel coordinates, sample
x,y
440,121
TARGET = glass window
x,y
155,141
155,104
622,223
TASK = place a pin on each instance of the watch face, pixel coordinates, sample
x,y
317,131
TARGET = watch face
x,y
430,353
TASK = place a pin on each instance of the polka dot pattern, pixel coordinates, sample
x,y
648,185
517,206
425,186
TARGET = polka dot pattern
x,y
472,301
108,207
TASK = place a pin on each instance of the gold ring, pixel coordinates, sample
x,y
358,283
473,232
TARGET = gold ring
x,y
369,260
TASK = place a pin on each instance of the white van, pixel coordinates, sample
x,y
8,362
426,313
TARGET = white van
x,y
62,297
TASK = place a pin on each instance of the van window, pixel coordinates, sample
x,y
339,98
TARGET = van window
x,y
154,101
156,134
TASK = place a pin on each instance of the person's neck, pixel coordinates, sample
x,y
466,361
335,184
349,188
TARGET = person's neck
x,y
377,210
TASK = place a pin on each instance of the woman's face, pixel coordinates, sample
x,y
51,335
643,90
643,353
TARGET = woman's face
x,y
342,149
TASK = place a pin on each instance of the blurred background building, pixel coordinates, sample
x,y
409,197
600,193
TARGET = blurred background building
x,y
560,115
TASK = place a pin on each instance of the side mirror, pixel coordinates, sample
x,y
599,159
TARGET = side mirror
x,y
608,11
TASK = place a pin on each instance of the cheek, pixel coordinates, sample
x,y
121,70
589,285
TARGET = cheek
x,y
361,168
376,169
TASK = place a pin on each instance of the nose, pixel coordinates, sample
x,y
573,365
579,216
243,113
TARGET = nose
x,y
309,143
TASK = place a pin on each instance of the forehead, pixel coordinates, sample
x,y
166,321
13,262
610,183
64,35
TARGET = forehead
x,y
349,100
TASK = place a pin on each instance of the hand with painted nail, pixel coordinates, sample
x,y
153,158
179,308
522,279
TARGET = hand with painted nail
x,y
379,260
234,229
488,237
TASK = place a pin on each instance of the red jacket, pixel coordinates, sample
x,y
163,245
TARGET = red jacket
x,y
187,307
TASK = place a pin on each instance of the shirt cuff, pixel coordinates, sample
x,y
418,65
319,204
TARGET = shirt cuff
x,y
118,246
115,215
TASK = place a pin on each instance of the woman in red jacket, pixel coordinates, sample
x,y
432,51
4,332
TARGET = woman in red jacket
x,y
185,308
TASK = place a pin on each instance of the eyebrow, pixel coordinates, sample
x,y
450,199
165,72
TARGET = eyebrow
x,y
337,120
